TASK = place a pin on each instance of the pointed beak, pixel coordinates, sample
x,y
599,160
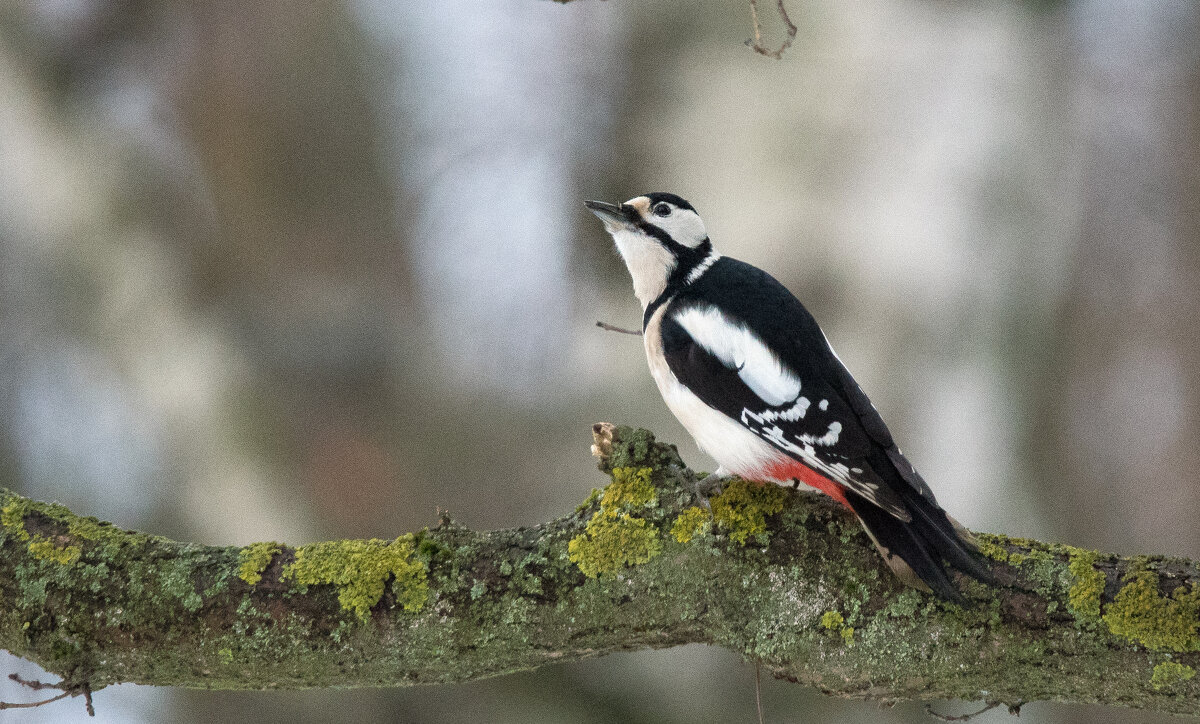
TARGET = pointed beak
x,y
614,217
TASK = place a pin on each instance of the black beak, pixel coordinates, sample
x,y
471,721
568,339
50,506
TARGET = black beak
x,y
613,215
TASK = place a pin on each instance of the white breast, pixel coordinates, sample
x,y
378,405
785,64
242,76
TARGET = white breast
x,y
735,448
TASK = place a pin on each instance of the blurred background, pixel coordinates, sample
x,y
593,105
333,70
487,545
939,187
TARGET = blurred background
x,y
297,271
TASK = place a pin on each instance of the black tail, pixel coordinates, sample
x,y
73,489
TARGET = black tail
x,y
927,544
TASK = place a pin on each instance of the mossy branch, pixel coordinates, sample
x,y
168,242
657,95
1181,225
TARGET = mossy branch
x,y
786,579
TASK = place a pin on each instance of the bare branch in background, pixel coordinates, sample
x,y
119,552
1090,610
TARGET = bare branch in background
x,y
756,42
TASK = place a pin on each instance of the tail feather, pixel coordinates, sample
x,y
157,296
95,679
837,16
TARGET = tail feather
x,y
959,551
924,546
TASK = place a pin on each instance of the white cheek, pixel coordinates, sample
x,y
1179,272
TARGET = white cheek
x,y
687,228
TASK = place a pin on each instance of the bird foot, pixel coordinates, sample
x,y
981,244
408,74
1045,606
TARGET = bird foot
x,y
711,486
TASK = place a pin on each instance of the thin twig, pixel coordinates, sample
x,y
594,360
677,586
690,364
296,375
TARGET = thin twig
x,y
35,685
758,692
756,43
33,704
613,328
67,690
961,717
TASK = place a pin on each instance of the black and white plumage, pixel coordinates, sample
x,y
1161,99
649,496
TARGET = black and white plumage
x,y
747,370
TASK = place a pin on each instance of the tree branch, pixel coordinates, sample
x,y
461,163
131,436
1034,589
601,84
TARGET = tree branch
x,y
785,578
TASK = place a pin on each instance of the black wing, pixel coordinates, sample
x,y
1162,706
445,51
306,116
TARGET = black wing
x,y
799,398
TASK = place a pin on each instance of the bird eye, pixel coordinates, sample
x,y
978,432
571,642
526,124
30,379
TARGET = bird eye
x,y
662,210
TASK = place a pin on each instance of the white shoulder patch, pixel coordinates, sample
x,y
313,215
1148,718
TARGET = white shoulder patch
x,y
739,348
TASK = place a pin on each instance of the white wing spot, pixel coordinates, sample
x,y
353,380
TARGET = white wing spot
x,y
823,405
826,440
793,413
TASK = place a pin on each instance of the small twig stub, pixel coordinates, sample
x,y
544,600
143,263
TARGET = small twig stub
x,y
613,328
756,42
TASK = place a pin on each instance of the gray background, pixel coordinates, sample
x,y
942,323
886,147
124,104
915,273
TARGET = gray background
x,y
295,271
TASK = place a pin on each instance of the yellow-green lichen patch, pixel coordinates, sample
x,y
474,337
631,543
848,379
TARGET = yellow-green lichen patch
x,y
12,518
254,559
836,622
630,488
614,538
992,549
1170,674
1087,586
360,569
691,522
742,508
1141,614
610,543
93,529
45,549
56,550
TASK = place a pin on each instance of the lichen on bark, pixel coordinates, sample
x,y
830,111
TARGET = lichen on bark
x,y
806,596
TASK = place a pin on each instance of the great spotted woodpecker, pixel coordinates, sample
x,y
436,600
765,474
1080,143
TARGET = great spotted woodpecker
x,y
752,377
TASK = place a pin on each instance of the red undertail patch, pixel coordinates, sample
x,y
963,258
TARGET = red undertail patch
x,y
795,470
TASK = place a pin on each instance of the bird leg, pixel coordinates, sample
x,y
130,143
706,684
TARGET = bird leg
x,y
711,486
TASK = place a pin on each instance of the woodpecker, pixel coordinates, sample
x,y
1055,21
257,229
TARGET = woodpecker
x,y
748,371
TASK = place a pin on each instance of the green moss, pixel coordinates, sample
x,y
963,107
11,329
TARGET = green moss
x,y
742,508
637,448
691,522
360,569
254,559
589,501
610,543
1169,674
630,488
1141,614
1087,586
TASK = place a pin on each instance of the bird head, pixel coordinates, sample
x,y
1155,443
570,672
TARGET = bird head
x,y
660,237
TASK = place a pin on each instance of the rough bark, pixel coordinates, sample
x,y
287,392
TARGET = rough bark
x,y
786,579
